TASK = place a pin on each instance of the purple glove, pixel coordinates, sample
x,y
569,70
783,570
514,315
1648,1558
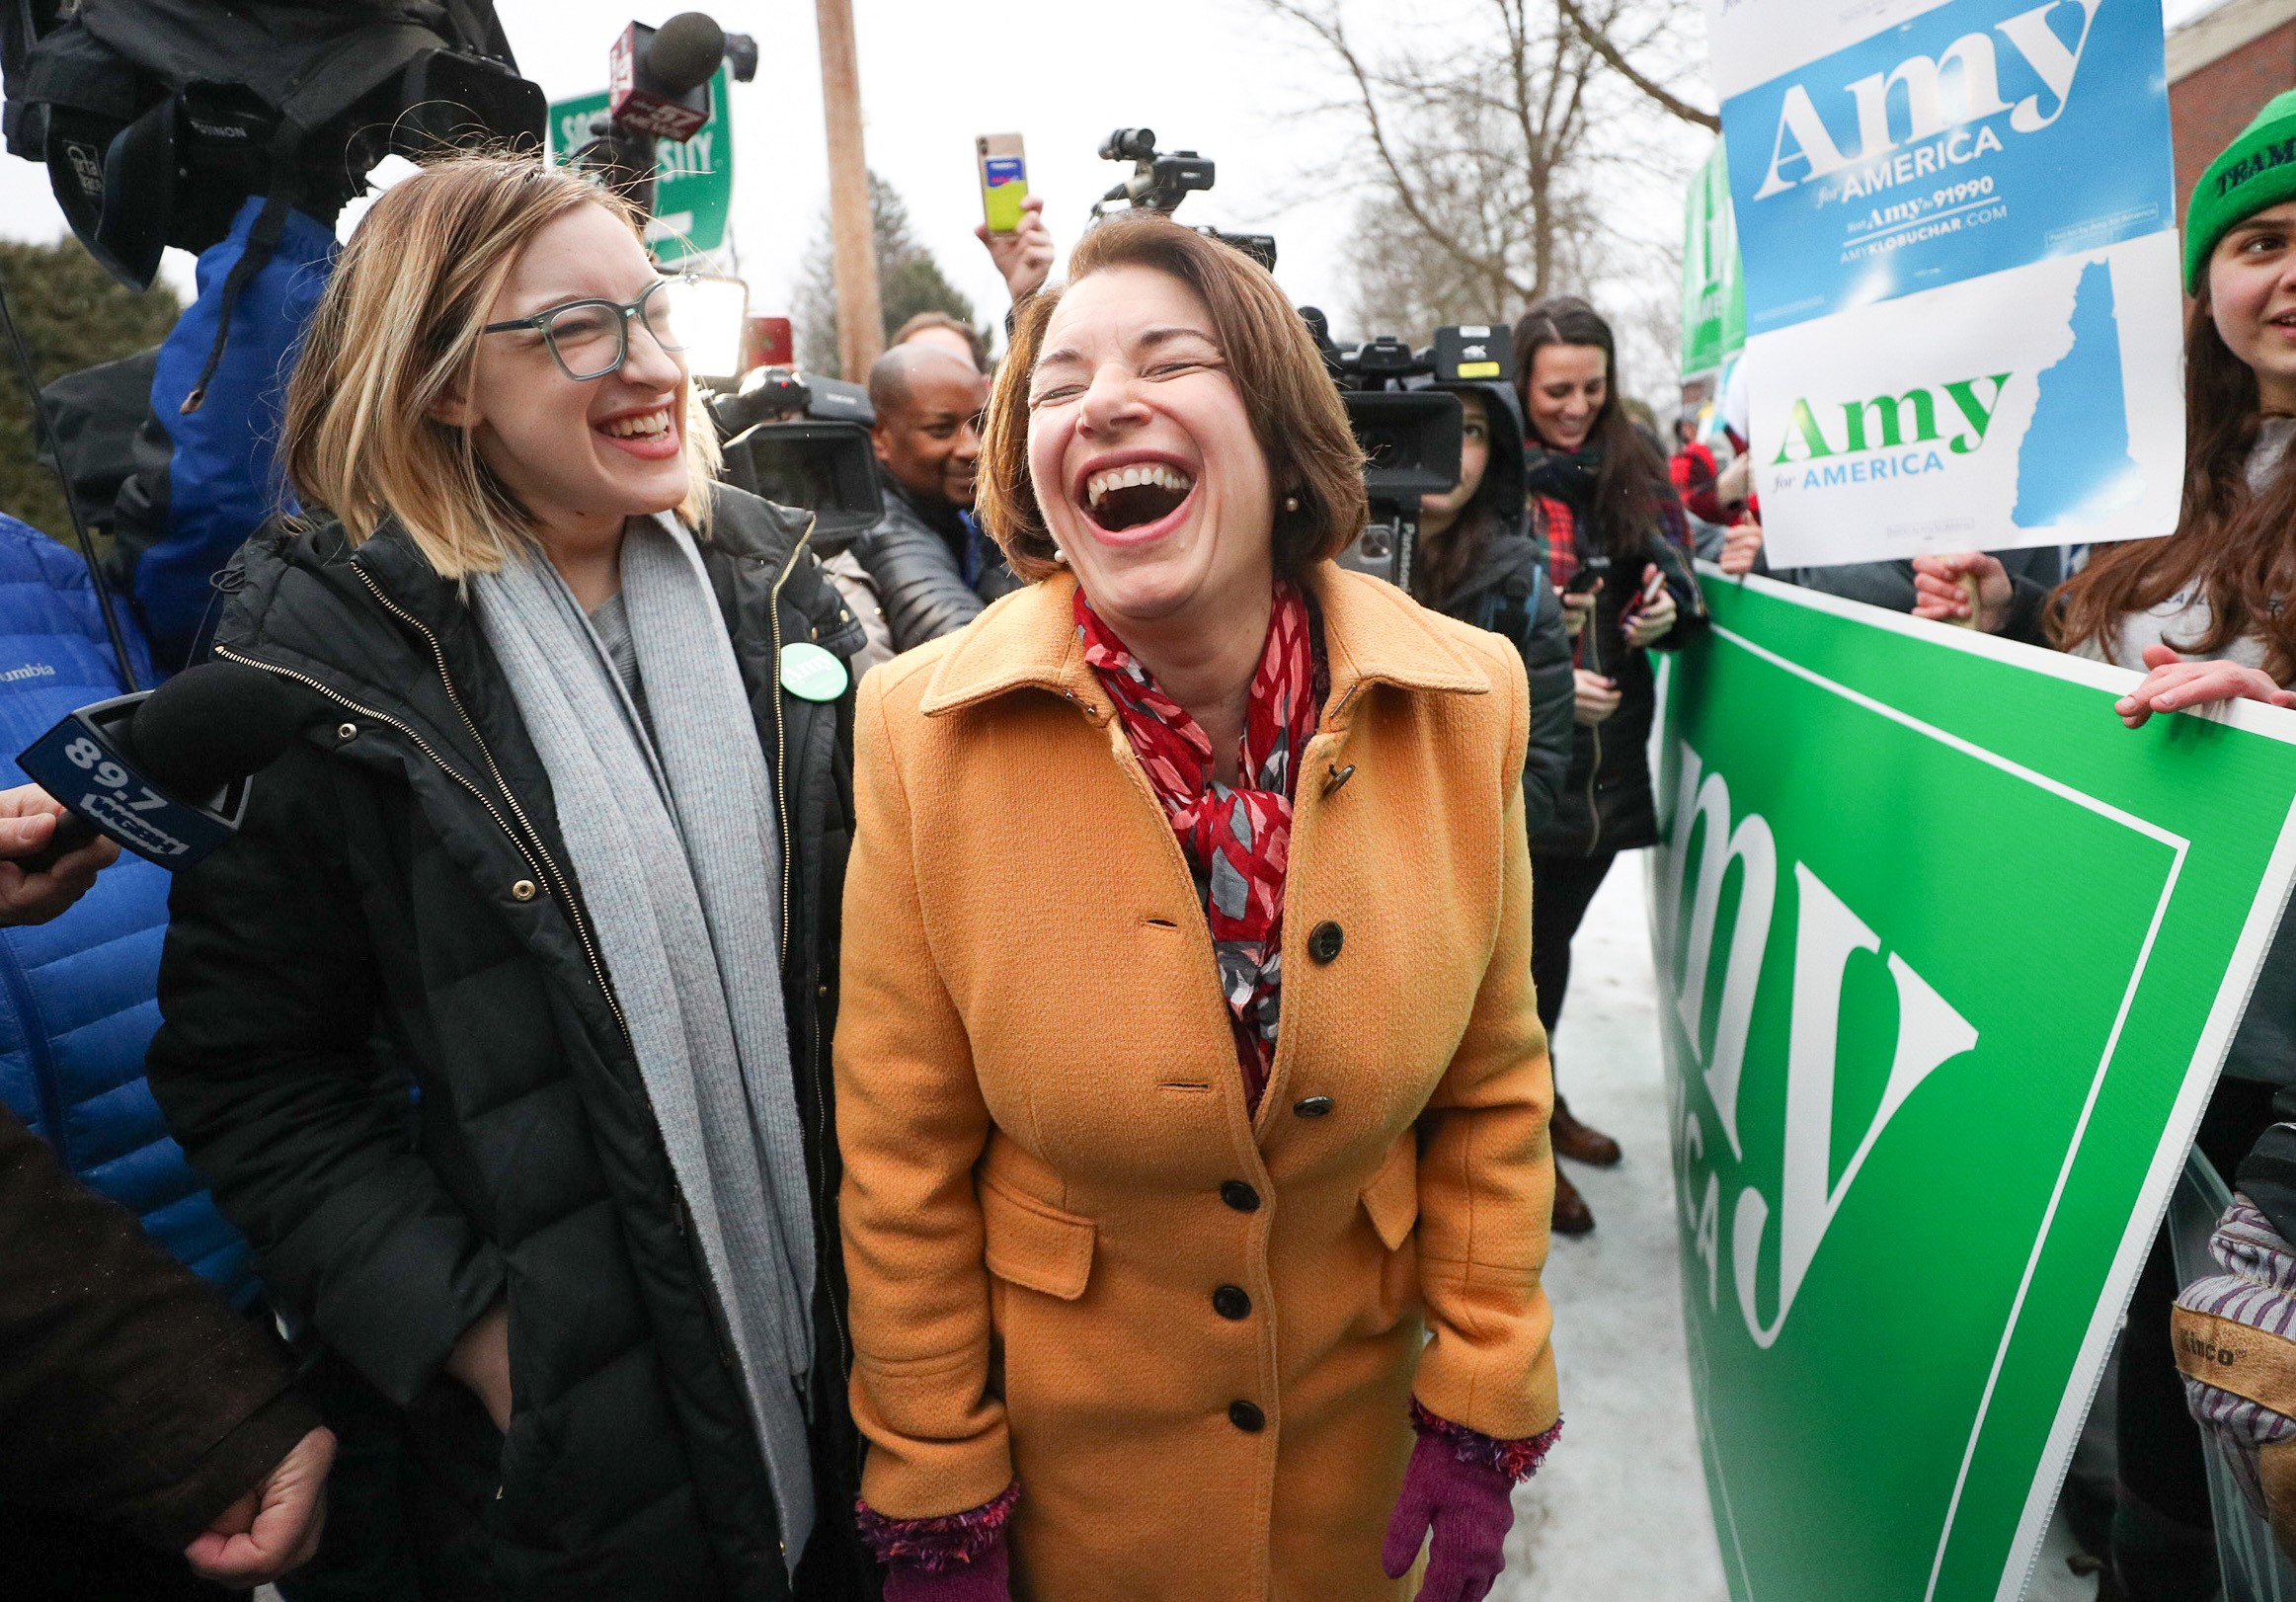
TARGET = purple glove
x,y
958,1557
988,1577
1460,1483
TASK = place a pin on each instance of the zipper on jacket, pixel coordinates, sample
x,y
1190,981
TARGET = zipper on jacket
x,y
543,867
1590,638
780,730
540,852
38,1054
820,1106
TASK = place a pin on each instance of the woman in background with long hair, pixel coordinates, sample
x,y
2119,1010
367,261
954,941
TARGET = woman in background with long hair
x,y
1618,546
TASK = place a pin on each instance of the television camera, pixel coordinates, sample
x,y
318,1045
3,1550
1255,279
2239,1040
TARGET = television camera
x,y
1160,181
804,442
1409,431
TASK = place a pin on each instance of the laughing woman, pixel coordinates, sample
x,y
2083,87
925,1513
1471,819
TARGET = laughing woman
x,y
1189,1076
477,1026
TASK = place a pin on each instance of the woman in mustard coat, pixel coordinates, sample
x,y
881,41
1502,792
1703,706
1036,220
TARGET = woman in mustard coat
x,y
1192,1097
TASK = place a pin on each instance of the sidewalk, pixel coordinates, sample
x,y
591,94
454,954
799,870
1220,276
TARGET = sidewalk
x,y
1619,1509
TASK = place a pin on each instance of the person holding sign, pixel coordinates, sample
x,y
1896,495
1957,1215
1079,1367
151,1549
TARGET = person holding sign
x,y
1189,1079
2206,615
500,1028
1617,549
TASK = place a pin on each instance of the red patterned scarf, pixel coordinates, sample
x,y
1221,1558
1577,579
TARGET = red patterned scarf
x,y
1237,841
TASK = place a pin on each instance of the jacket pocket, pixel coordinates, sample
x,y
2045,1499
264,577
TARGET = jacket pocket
x,y
1033,1243
1393,1196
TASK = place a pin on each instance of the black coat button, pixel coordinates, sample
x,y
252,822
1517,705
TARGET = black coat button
x,y
1314,1106
1324,940
1246,1416
1231,1303
1241,1196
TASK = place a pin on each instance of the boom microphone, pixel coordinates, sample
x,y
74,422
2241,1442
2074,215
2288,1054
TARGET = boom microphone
x,y
165,772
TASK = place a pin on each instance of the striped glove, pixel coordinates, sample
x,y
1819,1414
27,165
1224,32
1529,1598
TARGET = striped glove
x,y
2236,1344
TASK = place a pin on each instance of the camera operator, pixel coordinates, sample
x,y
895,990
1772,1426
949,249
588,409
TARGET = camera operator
x,y
932,569
1603,495
1477,562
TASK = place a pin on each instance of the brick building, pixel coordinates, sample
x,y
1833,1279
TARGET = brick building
x,y
2222,68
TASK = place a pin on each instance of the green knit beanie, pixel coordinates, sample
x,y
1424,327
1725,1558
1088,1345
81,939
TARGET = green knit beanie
x,y
2257,170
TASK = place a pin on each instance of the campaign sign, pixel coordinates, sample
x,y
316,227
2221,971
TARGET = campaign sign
x,y
693,192
1974,193
1949,962
1713,284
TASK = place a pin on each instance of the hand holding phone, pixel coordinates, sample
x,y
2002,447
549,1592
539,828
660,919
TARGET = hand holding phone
x,y
1652,617
1003,181
1589,577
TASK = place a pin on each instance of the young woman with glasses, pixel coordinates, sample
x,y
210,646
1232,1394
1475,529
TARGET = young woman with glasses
x,y
501,1029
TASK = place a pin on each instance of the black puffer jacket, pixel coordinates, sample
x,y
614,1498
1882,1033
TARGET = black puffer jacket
x,y
390,1045
1606,803
1507,591
910,557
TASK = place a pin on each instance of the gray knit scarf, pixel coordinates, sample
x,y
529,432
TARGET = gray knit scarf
x,y
672,832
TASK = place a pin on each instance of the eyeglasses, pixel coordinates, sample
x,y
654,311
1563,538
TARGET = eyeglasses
x,y
590,339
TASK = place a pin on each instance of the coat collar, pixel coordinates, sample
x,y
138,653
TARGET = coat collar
x,y
1372,633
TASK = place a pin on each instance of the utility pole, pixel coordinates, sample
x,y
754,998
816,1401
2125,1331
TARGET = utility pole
x,y
852,232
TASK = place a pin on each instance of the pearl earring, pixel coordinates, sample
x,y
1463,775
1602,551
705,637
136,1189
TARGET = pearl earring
x,y
1290,502
1060,555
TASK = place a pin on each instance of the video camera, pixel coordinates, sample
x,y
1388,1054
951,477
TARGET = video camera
x,y
804,442
1160,181
157,118
1410,438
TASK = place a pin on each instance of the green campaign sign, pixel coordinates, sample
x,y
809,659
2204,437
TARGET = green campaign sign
x,y
694,189
1948,963
1714,287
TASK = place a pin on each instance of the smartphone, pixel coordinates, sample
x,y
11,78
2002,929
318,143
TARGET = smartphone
x,y
1004,179
1590,572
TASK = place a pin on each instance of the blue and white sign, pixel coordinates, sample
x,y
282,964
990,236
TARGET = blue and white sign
x,y
1958,226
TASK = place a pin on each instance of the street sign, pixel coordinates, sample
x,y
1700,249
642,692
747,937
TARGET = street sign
x,y
1948,961
694,191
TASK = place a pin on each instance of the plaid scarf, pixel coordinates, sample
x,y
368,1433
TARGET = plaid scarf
x,y
1237,841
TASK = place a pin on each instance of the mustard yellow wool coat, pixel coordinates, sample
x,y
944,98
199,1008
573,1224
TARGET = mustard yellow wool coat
x,y
1077,1258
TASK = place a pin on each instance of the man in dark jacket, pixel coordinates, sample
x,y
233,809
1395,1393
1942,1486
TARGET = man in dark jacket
x,y
131,1399
391,1043
931,567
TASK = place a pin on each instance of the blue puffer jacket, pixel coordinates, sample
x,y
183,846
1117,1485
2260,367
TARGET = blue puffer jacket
x,y
77,1002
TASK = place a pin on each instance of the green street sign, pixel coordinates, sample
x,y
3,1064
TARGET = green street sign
x,y
1949,962
1714,285
694,191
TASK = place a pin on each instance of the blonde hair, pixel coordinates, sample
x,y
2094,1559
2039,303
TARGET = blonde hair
x,y
395,335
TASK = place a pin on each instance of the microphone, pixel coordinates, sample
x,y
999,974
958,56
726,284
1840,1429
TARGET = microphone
x,y
683,51
658,78
164,773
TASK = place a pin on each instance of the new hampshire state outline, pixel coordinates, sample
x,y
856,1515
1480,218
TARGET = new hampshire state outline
x,y
2074,463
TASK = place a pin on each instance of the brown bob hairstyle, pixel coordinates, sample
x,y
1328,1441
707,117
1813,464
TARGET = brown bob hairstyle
x,y
1294,406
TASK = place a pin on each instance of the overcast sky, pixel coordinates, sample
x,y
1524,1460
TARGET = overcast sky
x,y
1211,75
1204,74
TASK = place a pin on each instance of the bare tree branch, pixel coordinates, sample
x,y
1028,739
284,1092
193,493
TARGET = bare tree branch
x,y
1334,35
1615,61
